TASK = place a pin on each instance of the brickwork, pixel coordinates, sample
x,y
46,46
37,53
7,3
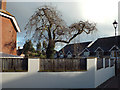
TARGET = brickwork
x,y
0,34
3,6
8,34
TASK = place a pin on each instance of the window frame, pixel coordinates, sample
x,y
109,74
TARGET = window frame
x,y
115,52
69,54
99,53
86,53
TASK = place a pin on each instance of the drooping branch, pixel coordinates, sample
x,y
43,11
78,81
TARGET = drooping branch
x,y
75,35
49,26
61,41
80,27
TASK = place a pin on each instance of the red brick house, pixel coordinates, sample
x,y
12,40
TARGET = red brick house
x,y
8,30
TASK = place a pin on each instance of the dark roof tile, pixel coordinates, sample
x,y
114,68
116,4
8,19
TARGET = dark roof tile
x,y
77,46
105,43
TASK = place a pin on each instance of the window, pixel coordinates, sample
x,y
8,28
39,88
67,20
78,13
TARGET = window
x,y
55,56
115,53
61,55
86,54
69,55
112,61
106,62
112,54
99,63
118,53
99,53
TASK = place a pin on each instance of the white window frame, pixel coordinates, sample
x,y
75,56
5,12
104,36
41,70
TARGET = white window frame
x,y
86,54
113,51
100,49
84,51
113,47
98,52
69,55
61,54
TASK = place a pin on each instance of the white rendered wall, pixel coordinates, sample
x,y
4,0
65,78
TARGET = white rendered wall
x,y
0,74
35,79
33,65
103,74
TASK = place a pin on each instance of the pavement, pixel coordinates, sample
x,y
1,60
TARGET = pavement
x,y
113,82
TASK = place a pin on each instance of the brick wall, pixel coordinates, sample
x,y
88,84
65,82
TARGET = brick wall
x,y
3,4
8,37
0,34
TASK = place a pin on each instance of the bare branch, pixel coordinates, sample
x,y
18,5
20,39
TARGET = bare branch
x,y
47,24
61,41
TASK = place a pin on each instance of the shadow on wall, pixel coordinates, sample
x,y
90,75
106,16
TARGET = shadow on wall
x,y
11,46
83,79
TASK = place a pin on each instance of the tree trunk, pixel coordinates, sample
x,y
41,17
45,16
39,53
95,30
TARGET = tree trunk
x,y
50,49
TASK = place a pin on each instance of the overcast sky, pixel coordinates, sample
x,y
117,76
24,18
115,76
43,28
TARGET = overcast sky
x,y
102,12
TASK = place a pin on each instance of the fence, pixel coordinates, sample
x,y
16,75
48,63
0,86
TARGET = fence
x,y
107,60
59,65
14,64
112,61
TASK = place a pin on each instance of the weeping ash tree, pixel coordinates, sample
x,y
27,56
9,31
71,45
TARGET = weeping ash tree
x,y
47,25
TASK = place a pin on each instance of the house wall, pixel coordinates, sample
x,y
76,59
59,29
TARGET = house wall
x,y
0,74
0,34
8,37
34,79
0,52
103,74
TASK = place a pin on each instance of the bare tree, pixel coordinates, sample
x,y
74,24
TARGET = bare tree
x,y
46,24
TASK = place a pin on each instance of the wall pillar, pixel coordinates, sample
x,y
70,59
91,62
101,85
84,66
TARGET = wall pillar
x,y
103,62
33,65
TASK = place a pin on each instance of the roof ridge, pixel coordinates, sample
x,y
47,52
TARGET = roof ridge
x,y
80,43
109,37
7,15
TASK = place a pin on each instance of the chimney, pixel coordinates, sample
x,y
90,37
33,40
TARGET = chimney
x,y
3,5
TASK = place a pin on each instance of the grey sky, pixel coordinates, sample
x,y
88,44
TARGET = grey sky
x,y
102,12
